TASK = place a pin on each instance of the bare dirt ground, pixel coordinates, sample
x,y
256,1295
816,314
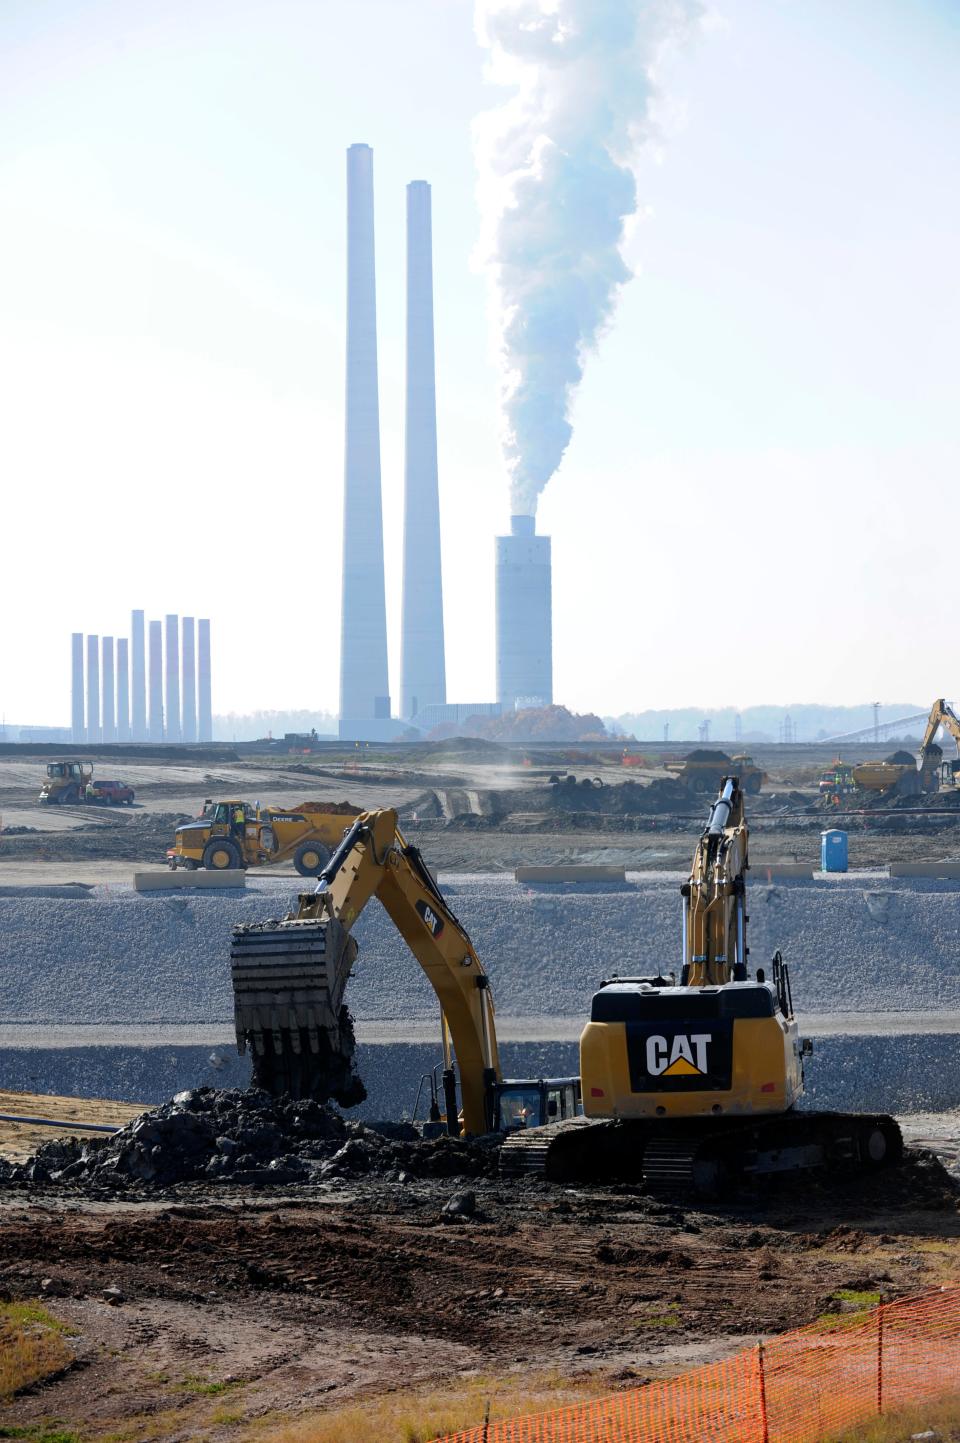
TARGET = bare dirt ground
x,y
481,810
235,1308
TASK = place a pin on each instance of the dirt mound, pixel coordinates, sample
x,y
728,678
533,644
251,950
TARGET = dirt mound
x,y
336,809
701,754
248,1137
901,759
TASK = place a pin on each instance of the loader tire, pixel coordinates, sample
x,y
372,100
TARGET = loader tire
x,y
221,855
752,785
310,858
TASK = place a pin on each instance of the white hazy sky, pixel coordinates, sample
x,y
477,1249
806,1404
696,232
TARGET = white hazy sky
x,y
759,502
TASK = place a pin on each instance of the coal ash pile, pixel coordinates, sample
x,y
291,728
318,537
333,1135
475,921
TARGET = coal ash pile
x,y
246,1137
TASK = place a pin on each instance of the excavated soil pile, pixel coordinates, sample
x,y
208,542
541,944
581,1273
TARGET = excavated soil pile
x,y
248,1137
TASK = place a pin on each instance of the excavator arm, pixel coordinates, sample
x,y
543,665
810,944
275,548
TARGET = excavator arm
x,y
714,917
941,715
289,977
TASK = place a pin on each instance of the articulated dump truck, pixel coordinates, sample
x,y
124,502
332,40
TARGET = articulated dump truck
x,y
236,834
689,1083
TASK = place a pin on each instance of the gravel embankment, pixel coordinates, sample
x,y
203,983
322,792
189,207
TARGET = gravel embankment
x,y
852,945
867,1074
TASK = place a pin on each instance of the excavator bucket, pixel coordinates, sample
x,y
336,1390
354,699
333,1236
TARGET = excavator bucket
x,y
288,984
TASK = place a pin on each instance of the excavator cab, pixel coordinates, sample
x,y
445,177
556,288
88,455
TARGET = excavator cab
x,y
536,1103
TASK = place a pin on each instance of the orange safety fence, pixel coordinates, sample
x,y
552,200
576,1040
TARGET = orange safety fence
x,y
799,1387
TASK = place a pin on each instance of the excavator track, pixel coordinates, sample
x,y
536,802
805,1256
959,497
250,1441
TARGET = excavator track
x,y
705,1156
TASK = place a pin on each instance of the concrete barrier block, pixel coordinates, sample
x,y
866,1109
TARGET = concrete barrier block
x,y
925,869
572,873
770,871
181,879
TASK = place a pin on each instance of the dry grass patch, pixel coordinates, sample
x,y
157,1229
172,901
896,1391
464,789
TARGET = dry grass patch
x,y
416,1416
32,1346
941,1419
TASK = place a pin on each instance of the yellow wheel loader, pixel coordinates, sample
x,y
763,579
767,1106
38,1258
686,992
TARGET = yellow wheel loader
x,y
231,835
66,783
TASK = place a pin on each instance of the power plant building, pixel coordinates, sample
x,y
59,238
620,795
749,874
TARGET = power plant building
x,y
138,699
188,690
78,732
108,709
364,680
171,730
524,617
93,689
104,707
155,727
123,689
204,707
423,681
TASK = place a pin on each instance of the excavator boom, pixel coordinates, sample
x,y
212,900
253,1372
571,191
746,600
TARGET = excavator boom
x,y
289,977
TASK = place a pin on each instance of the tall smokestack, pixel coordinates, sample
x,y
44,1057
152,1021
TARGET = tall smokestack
x,y
108,712
123,689
423,680
77,729
364,684
93,688
524,617
204,703
172,659
138,716
188,670
156,682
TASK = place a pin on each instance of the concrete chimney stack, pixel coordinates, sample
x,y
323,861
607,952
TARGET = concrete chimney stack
x,y
423,680
93,689
123,689
204,702
108,710
77,728
364,684
172,693
156,682
188,691
524,616
138,715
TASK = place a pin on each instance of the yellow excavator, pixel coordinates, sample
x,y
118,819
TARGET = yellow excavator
x,y
933,773
691,1083
289,979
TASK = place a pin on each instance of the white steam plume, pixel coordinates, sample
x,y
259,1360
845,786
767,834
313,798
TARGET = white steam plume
x,y
556,165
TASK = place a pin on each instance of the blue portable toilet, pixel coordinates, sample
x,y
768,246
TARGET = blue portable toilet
x,y
833,850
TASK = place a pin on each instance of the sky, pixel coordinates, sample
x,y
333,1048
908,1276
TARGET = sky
x,y
759,500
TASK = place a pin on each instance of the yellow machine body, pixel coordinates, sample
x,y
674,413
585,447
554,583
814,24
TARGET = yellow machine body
x,y
235,834
693,1066
66,782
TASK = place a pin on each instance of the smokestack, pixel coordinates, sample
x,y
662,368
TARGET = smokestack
x,y
205,708
139,698
123,690
93,688
172,658
77,730
423,680
524,617
188,668
108,712
364,684
156,682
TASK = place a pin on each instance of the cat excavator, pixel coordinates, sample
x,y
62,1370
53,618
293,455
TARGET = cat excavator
x,y
691,1082
289,978
694,1082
